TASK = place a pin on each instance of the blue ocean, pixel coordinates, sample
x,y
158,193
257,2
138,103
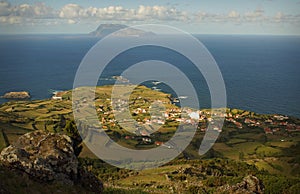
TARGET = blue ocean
x,y
261,73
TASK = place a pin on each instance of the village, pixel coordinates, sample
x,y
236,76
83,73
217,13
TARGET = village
x,y
154,119
144,131
154,116
268,141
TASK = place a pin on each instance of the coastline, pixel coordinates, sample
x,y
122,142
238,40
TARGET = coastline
x,y
50,95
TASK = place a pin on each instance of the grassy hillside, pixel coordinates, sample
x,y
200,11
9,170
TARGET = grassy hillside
x,y
267,145
188,176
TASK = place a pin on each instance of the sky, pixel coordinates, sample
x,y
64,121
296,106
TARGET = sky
x,y
274,17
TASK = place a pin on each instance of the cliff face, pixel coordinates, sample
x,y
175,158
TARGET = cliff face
x,y
17,95
47,157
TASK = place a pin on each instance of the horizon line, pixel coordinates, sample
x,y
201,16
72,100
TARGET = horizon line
x,y
86,34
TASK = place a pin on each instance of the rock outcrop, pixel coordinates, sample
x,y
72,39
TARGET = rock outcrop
x,y
249,185
48,157
17,95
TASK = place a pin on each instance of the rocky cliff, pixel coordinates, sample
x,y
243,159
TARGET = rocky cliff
x,y
48,157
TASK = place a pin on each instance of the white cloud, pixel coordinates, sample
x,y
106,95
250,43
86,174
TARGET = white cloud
x,y
109,13
39,13
233,14
254,16
70,21
38,10
280,17
213,17
11,19
70,11
19,14
5,8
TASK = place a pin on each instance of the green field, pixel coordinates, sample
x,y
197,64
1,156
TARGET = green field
x,y
242,150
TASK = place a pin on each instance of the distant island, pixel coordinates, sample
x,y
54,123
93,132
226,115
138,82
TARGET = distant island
x,y
106,29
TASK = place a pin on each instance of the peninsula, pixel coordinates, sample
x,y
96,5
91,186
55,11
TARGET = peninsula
x,y
255,153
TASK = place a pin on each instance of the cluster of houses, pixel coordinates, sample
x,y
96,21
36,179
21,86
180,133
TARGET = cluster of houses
x,y
189,116
57,95
271,125
280,122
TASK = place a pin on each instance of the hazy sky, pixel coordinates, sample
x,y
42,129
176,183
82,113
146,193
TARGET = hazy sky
x,y
195,16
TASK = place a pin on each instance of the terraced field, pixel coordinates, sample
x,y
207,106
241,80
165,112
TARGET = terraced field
x,y
277,153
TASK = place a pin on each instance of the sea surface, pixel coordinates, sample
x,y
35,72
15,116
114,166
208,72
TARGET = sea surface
x,y
261,73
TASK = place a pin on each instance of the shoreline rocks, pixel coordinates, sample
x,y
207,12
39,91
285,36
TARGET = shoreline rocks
x,y
17,95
